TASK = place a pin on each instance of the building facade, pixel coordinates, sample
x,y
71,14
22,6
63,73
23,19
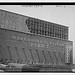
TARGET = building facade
x,y
29,40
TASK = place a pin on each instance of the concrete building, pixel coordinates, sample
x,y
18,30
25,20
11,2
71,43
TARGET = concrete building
x,y
33,41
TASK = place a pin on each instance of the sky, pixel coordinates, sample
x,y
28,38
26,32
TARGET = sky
x,y
64,15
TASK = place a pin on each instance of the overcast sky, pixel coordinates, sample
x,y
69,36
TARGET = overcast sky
x,y
64,15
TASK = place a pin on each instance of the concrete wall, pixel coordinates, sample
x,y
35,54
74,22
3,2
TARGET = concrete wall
x,y
29,47
13,21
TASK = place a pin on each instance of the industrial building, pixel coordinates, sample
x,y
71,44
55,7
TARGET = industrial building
x,y
27,40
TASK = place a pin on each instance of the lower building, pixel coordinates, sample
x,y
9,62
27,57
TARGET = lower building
x,y
52,53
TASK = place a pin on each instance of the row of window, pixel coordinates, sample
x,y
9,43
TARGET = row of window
x,y
53,31
34,23
49,30
46,27
50,34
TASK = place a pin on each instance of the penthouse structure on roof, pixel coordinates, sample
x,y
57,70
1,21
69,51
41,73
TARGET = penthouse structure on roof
x,y
17,22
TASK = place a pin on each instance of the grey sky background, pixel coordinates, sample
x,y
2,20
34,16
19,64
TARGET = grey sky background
x,y
64,15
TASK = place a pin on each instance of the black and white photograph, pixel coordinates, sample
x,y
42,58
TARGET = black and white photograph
x,y
37,38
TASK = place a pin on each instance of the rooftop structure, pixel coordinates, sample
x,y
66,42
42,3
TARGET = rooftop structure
x,y
17,22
